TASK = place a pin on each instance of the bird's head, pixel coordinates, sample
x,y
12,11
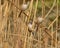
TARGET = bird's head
x,y
24,6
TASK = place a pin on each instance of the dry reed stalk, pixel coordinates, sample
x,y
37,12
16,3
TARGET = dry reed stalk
x,y
30,8
25,38
52,23
14,10
7,9
43,15
52,36
0,15
31,41
34,18
43,8
8,21
39,37
56,23
23,16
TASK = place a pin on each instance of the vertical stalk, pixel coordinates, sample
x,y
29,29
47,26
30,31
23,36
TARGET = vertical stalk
x,y
43,8
25,38
52,36
30,8
40,37
35,12
56,23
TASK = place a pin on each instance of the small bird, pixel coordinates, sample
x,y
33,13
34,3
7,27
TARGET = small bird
x,y
30,29
23,7
39,19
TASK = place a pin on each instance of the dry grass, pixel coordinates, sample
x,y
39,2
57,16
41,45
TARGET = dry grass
x,y
14,30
